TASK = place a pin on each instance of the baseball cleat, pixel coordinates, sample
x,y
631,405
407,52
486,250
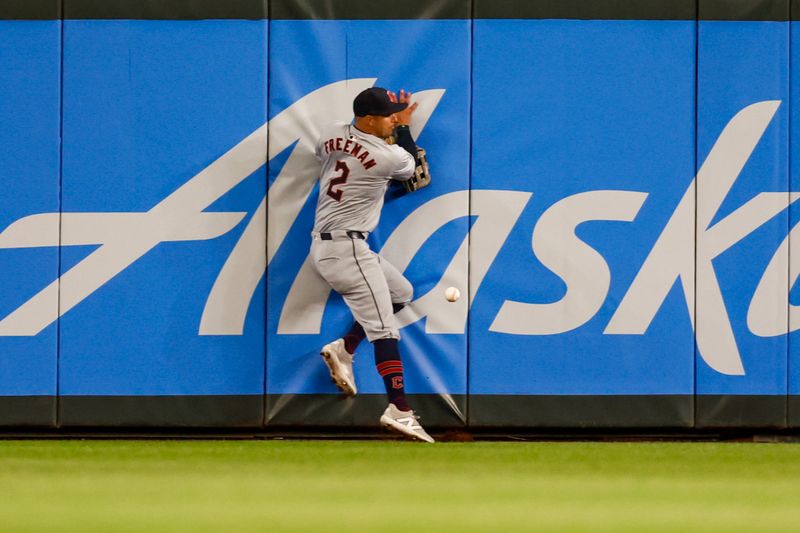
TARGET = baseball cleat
x,y
404,422
340,365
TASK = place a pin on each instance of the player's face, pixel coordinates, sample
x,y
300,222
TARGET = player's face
x,y
384,126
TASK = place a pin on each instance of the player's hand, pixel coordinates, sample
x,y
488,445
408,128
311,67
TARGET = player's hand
x,y
403,117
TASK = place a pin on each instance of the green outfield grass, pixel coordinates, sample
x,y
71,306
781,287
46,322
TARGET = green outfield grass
x,y
397,486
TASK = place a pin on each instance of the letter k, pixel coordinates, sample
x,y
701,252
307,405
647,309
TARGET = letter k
x,y
673,255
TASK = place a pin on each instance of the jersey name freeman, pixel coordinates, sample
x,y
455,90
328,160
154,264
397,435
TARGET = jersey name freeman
x,y
349,147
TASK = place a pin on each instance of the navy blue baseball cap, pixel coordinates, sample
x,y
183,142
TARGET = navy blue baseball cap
x,y
375,101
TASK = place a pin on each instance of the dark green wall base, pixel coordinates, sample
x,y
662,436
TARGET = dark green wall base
x,y
728,411
161,411
309,411
28,411
581,412
331,410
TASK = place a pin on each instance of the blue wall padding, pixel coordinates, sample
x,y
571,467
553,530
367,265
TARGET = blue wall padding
x,y
147,106
30,102
739,64
574,162
567,107
435,55
794,180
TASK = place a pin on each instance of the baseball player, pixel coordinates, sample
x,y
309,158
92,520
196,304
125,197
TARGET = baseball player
x,y
357,167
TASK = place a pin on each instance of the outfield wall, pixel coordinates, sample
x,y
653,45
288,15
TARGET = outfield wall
x,y
614,190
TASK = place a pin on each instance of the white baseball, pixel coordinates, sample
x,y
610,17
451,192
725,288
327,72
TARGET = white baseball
x,y
452,294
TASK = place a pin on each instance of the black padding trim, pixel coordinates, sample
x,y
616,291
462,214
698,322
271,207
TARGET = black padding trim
x,y
369,10
30,9
586,9
776,10
165,9
162,411
28,411
729,411
744,10
362,411
581,412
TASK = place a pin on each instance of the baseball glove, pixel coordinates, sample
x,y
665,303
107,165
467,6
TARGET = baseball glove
x,y
422,175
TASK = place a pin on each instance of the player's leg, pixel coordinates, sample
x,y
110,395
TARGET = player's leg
x,y
398,416
366,292
359,278
387,353
400,291
334,262
353,270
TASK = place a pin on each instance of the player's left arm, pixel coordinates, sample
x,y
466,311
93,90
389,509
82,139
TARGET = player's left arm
x,y
404,167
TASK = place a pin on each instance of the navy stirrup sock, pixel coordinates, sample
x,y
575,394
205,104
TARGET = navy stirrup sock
x,y
354,337
356,334
390,367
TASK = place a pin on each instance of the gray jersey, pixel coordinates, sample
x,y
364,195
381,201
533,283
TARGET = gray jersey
x,y
356,170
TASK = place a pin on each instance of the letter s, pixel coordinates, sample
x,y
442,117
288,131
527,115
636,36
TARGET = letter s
x,y
582,268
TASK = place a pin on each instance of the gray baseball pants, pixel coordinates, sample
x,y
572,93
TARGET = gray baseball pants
x,y
368,283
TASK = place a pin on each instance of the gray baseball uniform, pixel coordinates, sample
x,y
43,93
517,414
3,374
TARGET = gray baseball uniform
x,y
356,170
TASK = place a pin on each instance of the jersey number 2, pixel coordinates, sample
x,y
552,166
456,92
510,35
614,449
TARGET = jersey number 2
x,y
341,166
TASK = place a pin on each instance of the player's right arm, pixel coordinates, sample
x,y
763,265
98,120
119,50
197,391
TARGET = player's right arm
x,y
402,131
407,157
